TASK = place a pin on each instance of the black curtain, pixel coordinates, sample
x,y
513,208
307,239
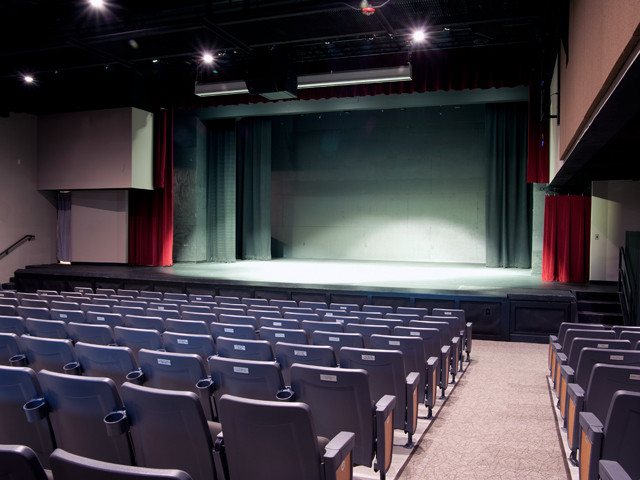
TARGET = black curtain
x,y
254,189
508,207
221,192
63,253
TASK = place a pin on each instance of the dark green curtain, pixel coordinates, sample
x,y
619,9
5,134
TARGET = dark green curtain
x,y
254,185
508,207
221,192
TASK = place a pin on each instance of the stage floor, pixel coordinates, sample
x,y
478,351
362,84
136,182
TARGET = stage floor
x,y
398,277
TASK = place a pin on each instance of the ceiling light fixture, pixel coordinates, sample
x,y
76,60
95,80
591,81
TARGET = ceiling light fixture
x,y
96,3
332,79
207,58
28,78
419,36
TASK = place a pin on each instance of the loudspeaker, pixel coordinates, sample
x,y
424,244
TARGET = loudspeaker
x,y
272,75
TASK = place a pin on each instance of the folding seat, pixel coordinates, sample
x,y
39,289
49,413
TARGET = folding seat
x,y
122,298
90,296
457,330
77,316
137,338
286,309
134,303
631,336
20,462
614,438
8,294
324,388
302,316
612,470
58,305
178,371
420,311
588,357
76,408
12,324
55,354
246,378
197,297
232,331
200,317
312,305
259,312
285,427
364,315
345,307
67,466
164,306
112,302
82,289
226,299
194,308
144,321
35,303
337,339
466,330
106,291
384,309
19,386
228,311
238,320
90,307
150,294
275,335
405,317
254,302
169,430
283,303
413,356
186,326
176,296
432,345
245,349
111,361
9,348
124,310
367,330
603,382
74,298
90,333
556,341
386,377
344,319
311,326
202,345
289,353
46,328
389,322
8,310
100,318
447,337
129,292
204,304
10,301
34,312
327,312
22,295
272,322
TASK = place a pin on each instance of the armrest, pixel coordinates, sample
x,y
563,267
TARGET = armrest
x,y
411,385
219,458
337,456
384,432
553,339
36,409
590,425
575,391
433,362
561,358
446,350
576,401
610,470
567,373
590,444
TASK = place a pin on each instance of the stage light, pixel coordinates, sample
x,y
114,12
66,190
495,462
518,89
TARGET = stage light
x,y
419,36
28,79
207,58
96,3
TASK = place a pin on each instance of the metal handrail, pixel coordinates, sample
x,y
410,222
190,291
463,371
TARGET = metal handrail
x,y
628,288
7,251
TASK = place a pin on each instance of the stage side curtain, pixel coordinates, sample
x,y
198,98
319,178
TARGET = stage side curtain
x,y
151,212
508,206
254,183
64,227
567,230
221,192
537,140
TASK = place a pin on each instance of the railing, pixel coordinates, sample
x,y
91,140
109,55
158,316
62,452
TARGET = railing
x,y
628,288
26,238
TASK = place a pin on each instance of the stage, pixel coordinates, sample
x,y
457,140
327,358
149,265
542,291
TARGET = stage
x,y
503,303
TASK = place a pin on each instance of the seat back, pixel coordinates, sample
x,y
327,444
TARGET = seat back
x,y
12,324
20,462
275,335
268,432
302,316
431,338
200,297
46,328
9,347
311,326
148,322
48,353
323,388
245,349
188,307
34,312
90,333
274,322
389,322
169,430
233,331
632,335
206,317
137,338
337,339
572,333
289,353
105,318
443,327
578,343
345,307
366,330
280,303
68,315
18,386
564,326
420,311
106,361
384,309
238,320
622,432
604,381
313,305
202,345
77,406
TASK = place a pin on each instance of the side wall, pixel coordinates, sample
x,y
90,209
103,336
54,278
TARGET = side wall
x,y
23,209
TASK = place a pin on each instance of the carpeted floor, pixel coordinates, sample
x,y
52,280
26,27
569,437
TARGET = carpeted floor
x,y
497,424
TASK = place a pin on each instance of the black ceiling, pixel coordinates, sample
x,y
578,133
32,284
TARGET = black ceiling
x,y
146,53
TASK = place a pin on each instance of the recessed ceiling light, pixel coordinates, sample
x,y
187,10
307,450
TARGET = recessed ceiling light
x,y
96,3
419,36
207,58
28,79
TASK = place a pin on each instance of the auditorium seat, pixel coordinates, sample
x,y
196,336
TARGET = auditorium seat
x,y
67,466
447,337
34,312
289,353
310,326
413,356
275,322
283,303
313,305
616,437
12,324
135,303
91,307
129,292
111,361
194,308
77,316
149,322
612,470
106,291
302,316
35,303
58,305
53,354
326,313
197,297
631,335
324,388
226,299
389,322
286,309
137,338
337,339
420,311
345,307
233,331
244,349
182,297
366,330
275,335
178,371
466,333
239,319
386,377
200,344
9,310
76,407
9,301
111,302
383,309
90,333
150,294
169,430
103,318
285,427
19,386
18,462
8,294
124,310
229,310
344,319
264,311
46,328
9,347
199,316
186,326
556,341
405,317
254,302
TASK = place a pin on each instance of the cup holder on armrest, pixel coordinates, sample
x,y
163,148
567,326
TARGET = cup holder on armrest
x,y
136,377
116,423
286,395
18,361
72,368
205,385
35,410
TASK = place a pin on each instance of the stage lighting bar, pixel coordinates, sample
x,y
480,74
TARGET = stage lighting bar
x,y
332,79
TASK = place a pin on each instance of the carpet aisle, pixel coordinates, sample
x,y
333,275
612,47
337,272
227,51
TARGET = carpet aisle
x,y
498,424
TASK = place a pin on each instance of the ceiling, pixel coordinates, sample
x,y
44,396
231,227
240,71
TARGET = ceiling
x,y
148,53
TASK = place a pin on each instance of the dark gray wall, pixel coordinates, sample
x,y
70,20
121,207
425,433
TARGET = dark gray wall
x,y
404,184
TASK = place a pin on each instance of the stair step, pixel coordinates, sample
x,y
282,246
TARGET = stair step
x,y
600,317
599,306
598,295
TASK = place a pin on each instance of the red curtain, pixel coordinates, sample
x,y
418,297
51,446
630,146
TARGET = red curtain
x,y
151,212
567,230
